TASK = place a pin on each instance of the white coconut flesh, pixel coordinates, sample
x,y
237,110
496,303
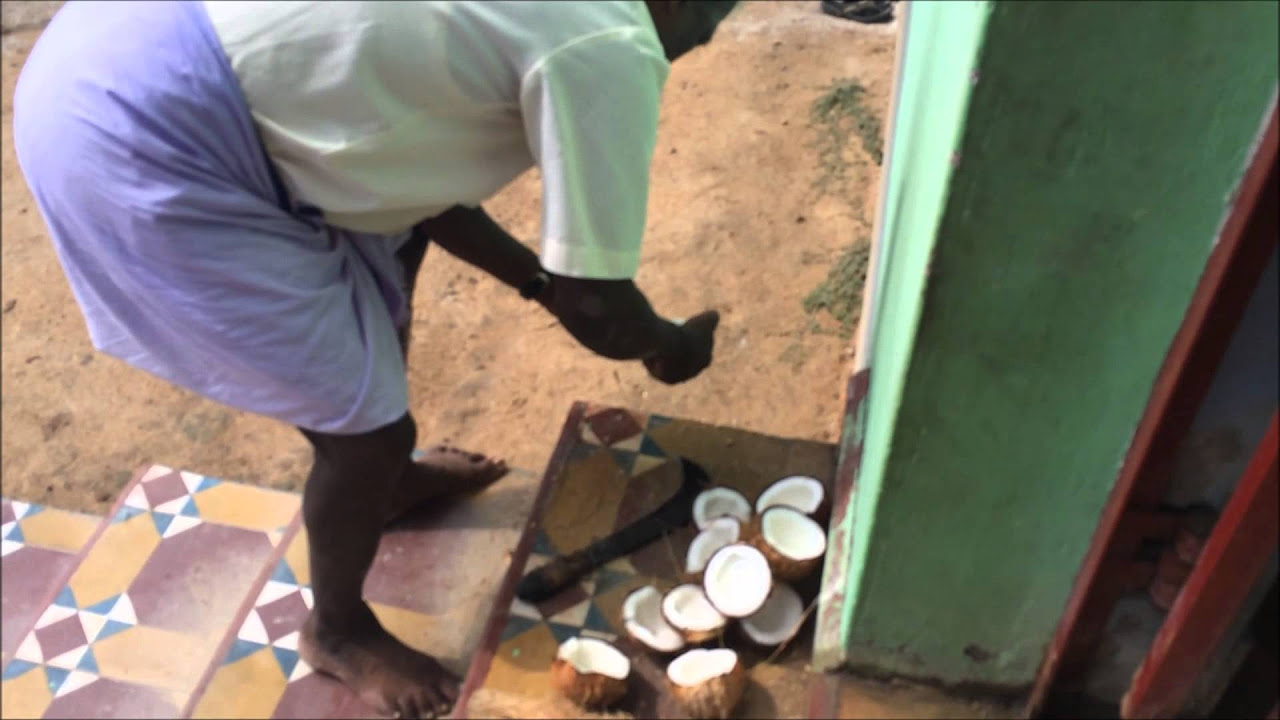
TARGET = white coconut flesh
x,y
642,618
592,656
698,666
688,608
792,533
718,533
778,620
797,491
737,580
719,502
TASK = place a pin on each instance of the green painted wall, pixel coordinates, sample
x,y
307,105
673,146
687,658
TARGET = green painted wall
x,y
933,90
1050,207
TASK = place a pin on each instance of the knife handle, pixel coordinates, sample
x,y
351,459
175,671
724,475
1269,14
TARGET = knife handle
x,y
548,580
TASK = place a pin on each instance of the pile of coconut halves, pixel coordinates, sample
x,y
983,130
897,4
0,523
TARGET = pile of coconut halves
x,y
740,567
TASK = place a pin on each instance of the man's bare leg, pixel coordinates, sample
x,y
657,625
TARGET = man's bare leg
x,y
443,471
345,505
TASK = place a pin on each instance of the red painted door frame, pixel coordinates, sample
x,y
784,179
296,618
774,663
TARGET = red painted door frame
x,y
1237,551
1245,244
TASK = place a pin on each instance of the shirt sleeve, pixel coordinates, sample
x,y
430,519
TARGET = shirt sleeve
x,y
591,118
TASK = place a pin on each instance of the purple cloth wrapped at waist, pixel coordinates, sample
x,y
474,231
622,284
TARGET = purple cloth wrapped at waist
x,y
185,254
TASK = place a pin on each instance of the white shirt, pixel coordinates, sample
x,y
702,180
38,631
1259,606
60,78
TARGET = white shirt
x,y
383,114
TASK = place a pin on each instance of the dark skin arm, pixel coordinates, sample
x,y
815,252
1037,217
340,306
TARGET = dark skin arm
x,y
609,317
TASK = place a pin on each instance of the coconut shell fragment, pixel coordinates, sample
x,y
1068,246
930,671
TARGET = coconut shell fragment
x,y
791,542
687,609
737,580
643,620
720,502
717,533
590,672
707,683
778,620
804,493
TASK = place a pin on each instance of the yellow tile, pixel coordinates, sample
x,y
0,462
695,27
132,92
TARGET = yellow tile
x,y
865,699
296,557
59,530
743,460
814,459
247,507
26,696
584,504
247,688
645,463
436,635
159,658
115,560
610,601
521,664
777,691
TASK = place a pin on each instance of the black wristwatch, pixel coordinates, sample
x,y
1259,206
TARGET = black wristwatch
x,y
532,289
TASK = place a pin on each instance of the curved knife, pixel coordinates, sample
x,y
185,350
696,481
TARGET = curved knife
x,y
545,582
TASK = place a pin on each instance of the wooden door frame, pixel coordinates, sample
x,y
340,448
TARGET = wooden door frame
x,y
1245,244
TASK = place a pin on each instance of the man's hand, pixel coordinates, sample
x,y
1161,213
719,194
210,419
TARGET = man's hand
x,y
610,317
689,352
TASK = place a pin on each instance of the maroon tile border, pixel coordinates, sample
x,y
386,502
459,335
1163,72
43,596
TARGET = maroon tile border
x,y
250,599
27,575
483,657
827,630
78,557
824,696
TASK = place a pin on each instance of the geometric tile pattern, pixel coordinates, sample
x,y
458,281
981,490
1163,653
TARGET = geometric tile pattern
x,y
138,621
40,546
190,595
261,673
603,487
262,657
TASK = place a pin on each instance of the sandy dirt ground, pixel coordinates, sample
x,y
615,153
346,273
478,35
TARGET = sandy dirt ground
x,y
737,222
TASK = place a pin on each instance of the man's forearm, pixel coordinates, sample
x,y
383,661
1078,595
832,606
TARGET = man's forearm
x,y
609,317
470,235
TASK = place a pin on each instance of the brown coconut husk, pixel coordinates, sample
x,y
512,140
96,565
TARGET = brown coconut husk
x,y
715,698
784,568
589,690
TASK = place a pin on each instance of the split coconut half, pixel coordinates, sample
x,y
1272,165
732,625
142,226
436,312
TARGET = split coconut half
x,y
801,492
707,683
590,672
737,580
778,620
687,609
791,541
718,502
719,532
642,619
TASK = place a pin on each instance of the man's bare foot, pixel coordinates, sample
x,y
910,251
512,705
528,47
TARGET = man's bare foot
x,y
444,472
393,678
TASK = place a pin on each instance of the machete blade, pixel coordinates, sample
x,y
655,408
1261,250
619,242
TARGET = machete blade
x,y
676,512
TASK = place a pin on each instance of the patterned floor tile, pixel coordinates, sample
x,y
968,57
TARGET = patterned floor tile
x,y
424,588
112,698
614,474
138,622
39,549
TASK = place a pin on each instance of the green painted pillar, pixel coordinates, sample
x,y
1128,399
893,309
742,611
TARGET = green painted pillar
x,y
1057,176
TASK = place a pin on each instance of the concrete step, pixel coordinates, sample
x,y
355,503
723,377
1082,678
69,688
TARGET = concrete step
x,y
595,486
39,546
186,600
